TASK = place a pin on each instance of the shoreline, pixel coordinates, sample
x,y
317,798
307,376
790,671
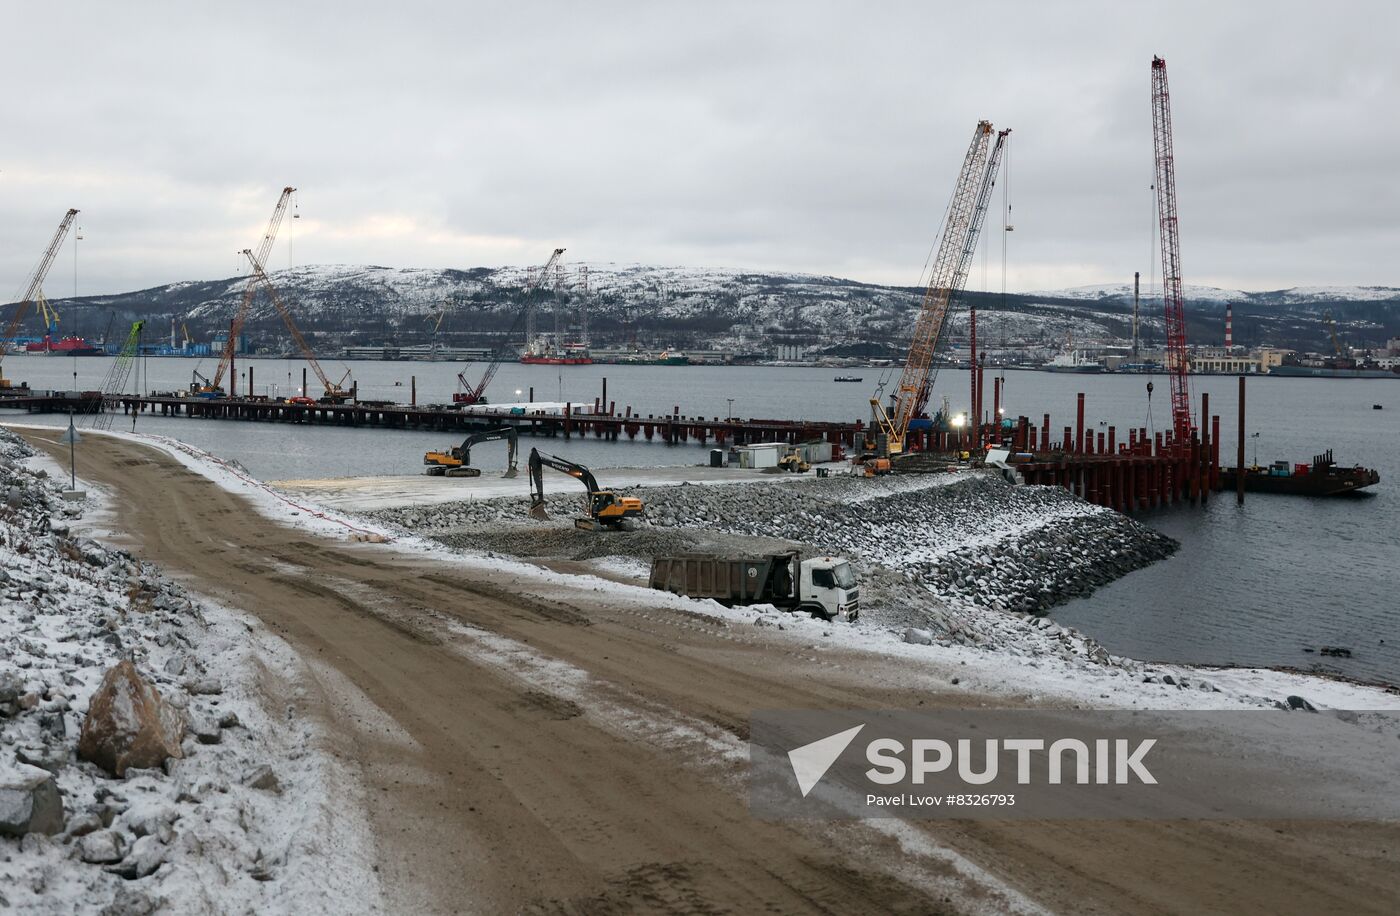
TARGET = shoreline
x,y
332,506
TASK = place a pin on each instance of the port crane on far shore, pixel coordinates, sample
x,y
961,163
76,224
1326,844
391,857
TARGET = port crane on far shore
x,y
1177,360
476,394
956,248
33,287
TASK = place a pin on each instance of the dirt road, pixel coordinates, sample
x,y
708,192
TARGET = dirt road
x,y
568,756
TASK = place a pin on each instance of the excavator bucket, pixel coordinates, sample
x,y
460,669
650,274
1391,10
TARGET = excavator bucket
x,y
510,473
537,512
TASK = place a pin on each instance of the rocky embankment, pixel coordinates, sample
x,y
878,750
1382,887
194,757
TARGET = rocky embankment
x,y
139,770
964,558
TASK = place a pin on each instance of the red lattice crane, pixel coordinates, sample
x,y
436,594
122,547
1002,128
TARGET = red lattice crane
x,y
946,280
32,287
1177,362
241,316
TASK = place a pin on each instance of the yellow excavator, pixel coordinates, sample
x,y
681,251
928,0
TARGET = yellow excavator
x,y
604,507
457,460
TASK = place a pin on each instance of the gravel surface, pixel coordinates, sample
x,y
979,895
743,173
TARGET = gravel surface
x,y
964,558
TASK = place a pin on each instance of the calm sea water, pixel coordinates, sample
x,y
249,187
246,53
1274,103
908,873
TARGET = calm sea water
x,y
1252,585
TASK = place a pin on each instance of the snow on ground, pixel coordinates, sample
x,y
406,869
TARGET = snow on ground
x,y
255,812
368,494
953,585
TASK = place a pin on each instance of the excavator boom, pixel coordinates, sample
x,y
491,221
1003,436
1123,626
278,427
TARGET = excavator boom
x,y
604,508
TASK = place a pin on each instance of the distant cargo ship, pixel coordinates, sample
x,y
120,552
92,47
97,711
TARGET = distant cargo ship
x,y
544,351
1321,478
552,359
1330,372
1073,361
68,346
664,358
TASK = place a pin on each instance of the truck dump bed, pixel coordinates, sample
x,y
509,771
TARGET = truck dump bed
x,y
729,580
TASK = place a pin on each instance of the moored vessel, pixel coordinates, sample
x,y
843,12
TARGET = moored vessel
x,y
67,346
1321,478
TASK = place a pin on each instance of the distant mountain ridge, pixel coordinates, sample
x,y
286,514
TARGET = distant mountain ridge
x,y
733,308
1296,294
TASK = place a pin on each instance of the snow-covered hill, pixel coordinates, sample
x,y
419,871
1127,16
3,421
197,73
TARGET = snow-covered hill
x,y
694,307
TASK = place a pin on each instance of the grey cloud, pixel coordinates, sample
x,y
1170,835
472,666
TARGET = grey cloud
x,y
805,136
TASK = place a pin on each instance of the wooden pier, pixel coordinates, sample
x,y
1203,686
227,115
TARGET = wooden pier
x,y
1144,470
35,401
575,420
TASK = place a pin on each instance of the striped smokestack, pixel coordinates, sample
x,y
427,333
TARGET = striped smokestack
x,y
1229,326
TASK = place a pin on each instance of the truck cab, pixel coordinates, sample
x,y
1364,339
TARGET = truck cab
x,y
827,588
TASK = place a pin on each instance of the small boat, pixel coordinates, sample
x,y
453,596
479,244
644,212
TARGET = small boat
x,y
1377,407
1321,478
847,378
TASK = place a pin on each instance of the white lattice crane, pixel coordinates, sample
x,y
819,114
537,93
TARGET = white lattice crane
x,y
33,286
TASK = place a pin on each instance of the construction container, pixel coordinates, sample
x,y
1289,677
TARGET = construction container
x,y
716,457
818,451
759,456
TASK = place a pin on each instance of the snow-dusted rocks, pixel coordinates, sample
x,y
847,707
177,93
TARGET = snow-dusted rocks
x,y
29,801
159,838
102,847
129,725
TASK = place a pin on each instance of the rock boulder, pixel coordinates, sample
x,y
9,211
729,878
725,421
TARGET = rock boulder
x,y
128,724
29,801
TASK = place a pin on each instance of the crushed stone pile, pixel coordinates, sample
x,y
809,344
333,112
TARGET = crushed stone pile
x,y
139,771
952,558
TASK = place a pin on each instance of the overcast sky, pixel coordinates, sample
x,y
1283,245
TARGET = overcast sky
x,y
805,136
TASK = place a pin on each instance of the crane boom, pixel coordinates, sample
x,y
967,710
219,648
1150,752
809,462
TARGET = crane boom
x,y
113,385
241,315
946,279
473,394
333,390
1176,358
36,280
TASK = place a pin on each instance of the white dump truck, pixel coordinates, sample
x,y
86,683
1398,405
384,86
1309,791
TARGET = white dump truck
x,y
821,586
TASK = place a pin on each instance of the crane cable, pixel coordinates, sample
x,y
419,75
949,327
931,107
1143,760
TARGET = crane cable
x,y
925,277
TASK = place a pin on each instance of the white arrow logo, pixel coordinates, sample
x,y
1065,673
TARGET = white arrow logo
x,y
811,761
